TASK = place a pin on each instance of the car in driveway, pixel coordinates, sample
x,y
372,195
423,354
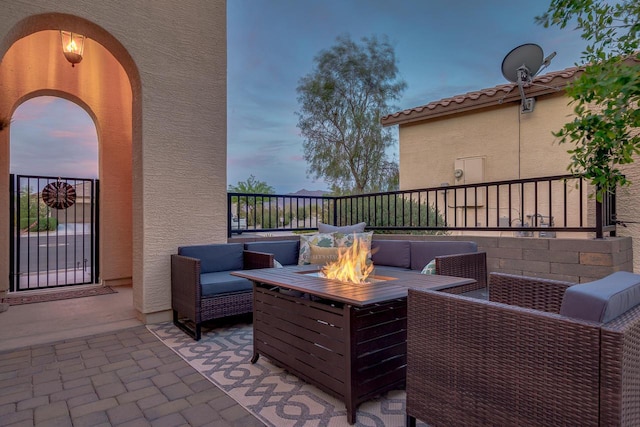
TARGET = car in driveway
x,y
238,223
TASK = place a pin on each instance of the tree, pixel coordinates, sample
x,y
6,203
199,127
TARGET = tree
x,y
606,94
34,213
341,102
251,186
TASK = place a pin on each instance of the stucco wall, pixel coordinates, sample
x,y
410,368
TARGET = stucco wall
x,y
174,157
513,146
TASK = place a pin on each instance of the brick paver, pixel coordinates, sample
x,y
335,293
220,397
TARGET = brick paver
x,y
126,378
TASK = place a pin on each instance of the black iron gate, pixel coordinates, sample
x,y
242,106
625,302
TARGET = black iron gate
x,y
54,232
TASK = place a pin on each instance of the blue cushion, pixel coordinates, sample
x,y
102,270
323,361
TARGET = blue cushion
x,y
217,257
423,252
602,300
392,253
284,251
383,270
222,282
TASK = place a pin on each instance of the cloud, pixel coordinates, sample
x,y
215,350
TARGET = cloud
x,y
54,137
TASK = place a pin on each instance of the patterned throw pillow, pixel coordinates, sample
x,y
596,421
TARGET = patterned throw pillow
x,y
429,268
331,240
324,240
322,256
346,239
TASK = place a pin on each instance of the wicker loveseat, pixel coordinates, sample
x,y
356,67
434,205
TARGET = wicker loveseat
x,y
515,361
452,258
202,287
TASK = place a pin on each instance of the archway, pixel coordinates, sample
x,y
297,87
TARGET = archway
x,y
107,85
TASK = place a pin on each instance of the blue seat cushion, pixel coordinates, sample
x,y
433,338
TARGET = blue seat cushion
x,y
602,300
391,253
284,251
383,270
216,257
222,282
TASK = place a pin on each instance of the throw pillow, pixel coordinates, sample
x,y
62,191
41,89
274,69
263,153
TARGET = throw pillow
x,y
429,268
347,240
276,264
355,228
324,240
323,256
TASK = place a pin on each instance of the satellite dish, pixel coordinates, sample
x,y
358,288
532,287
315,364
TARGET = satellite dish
x,y
521,65
528,56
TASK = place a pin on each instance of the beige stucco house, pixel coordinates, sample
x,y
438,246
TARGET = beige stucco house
x,y
153,78
483,136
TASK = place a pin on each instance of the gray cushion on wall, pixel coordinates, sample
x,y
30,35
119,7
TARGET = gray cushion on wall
x,y
602,300
216,257
355,228
391,253
286,252
423,252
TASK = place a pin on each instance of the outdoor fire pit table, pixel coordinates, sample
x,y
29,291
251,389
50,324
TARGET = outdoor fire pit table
x,y
349,340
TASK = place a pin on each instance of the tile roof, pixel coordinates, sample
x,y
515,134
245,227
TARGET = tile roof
x,y
501,94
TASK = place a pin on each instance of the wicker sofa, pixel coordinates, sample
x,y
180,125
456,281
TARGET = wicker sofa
x,y
202,287
452,258
515,360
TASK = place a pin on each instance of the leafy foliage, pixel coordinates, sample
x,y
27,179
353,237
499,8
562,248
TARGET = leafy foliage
x,y
606,95
341,103
251,186
34,213
392,210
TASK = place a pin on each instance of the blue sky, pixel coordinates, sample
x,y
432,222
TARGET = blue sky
x,y
443,48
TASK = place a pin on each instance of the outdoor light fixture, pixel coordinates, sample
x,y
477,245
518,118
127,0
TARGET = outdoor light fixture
x,y
72,46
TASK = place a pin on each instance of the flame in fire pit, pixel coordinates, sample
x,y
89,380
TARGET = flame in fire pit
x,y
351,266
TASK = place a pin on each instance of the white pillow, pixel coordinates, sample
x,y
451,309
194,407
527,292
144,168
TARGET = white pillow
x,y
429,268
346,229
276,264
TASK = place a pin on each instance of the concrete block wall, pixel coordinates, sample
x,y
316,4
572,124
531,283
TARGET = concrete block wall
x,y
572,260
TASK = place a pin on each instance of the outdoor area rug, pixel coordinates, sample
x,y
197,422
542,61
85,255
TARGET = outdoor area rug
x,y
275,397
18,299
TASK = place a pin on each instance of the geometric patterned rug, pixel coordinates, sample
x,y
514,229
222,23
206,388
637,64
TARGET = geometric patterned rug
x,y
18,299
274,396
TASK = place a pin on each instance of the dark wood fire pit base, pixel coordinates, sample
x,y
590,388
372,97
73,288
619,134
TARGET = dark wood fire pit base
x,y
348,340
353,353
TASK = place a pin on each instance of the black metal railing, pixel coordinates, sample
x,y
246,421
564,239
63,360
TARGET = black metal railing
x,y
543,205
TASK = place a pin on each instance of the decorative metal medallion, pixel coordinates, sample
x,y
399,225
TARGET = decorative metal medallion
x,y
59,195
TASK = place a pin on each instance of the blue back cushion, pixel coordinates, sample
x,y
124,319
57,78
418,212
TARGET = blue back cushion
x,y
286,252
392,253
602,300
217,257
423,252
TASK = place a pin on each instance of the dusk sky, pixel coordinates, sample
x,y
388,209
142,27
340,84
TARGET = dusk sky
x,y
443,48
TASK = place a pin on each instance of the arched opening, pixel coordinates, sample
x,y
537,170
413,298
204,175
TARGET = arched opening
x,y
106,85
55,137
55,210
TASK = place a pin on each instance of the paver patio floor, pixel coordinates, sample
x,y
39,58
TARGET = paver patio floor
x,y
117,373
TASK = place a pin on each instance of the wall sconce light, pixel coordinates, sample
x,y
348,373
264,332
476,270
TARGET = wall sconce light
x,y
72,46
